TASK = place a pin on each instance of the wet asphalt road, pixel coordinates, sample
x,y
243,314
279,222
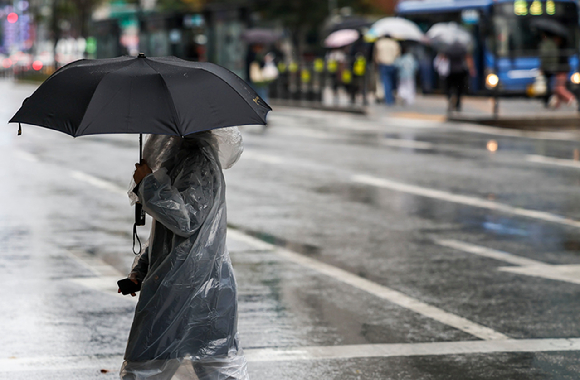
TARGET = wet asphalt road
x,y
364,248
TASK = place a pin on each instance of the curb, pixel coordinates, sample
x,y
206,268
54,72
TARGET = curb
x,y
534,122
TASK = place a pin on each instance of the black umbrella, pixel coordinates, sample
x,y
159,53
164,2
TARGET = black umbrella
x,y
162,95
550,26
456,50
260,36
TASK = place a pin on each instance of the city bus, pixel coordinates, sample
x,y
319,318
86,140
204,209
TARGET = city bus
x,y
505,50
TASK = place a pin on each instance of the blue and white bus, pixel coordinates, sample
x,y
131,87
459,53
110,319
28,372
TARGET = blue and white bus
x,y
506,43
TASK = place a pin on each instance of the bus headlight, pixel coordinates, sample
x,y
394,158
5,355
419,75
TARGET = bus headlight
x,y
492,80
575,78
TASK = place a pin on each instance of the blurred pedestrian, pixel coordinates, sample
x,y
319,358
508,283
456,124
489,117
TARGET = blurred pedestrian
x,y
187,311
256,64
554,64
406,68
358,55
460,68
386,51
441,65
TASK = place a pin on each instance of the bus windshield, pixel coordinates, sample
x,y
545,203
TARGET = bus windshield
x,y
514,31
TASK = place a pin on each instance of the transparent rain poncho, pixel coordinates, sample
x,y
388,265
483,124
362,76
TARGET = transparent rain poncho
x,y
187,310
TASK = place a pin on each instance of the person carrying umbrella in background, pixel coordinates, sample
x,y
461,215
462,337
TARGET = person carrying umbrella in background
x,y
406,67
460,68
554,65
386,51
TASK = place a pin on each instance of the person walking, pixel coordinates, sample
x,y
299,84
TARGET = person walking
x,y
187,311
441,65
256,62
386,51
555,67
460,68
406,67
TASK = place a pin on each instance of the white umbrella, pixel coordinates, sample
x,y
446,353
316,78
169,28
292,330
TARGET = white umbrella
x,y
341,38
447,33
395,27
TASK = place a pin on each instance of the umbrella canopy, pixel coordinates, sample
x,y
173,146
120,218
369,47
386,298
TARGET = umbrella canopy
x,y
260,36
446,33
550,26
455,51
341,38
162,95
395,27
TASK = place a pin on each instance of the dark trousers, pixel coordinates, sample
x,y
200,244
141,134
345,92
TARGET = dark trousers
x,y
456,87
549,92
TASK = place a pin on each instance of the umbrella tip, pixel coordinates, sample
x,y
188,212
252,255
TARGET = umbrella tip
x,y
141,55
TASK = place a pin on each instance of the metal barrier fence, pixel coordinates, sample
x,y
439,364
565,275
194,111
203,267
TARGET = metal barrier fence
x,y
325,81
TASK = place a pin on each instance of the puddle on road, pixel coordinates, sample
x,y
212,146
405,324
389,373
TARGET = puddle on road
x,y
542,235
352,192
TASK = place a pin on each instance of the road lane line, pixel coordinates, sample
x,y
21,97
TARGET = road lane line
x,y
404,143
270,159
462,199
26,156
98,182
498,131
553,161
488,252
411,349
527,267
113,362
377,290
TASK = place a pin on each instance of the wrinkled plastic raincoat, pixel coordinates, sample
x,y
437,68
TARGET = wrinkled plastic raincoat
x,y
187,310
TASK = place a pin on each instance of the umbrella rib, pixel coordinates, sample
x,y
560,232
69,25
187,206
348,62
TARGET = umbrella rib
x,y
172,105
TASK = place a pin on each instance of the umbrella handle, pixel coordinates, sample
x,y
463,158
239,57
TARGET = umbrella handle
x,y
139,215
139,221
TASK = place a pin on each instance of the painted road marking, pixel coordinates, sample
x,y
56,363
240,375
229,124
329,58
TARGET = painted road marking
x,y
26,156
528,267
553,161
112,362
462,199
412,349
320,135
270,159
98,182
567,273
106,282
488,252
404,143
540,135
377,290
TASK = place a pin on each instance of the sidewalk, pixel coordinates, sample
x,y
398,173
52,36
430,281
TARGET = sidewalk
x,y
519,113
